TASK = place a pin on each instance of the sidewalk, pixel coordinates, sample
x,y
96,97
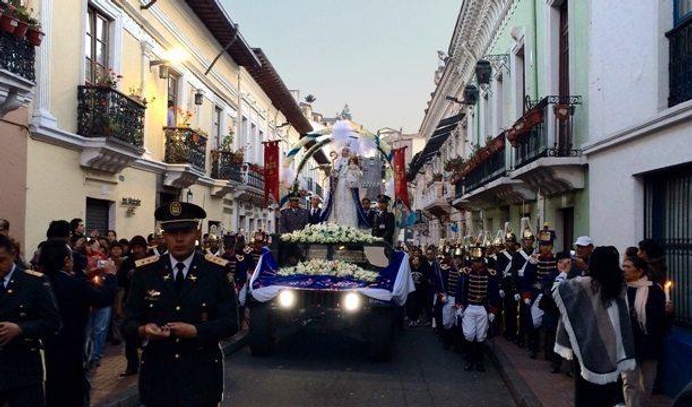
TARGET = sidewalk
x,y
530,380
109,389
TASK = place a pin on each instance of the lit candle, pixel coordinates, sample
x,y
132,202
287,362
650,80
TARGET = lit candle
x,y
666,288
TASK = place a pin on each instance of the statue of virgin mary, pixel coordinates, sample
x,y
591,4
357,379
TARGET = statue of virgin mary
x,y
345,182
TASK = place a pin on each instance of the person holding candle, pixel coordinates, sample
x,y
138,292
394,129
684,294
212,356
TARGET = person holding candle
x,y
647,314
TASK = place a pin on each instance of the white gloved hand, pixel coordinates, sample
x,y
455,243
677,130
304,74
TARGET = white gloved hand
x,y
459,312
527,301
517,297
502,293
491,317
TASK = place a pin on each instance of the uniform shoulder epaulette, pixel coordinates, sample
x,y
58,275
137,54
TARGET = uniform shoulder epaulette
x,y
34,273
216,260
492,272
146,260
466,270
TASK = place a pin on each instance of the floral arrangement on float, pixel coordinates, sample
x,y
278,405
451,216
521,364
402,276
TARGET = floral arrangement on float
x,y
332,268
329,233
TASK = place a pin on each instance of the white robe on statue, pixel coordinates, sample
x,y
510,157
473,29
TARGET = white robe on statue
x,y
344,211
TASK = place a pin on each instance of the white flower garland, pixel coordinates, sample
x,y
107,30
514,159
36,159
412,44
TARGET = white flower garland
x,y
329,233
335,268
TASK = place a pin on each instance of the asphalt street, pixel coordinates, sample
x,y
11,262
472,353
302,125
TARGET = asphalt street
x,y
313,369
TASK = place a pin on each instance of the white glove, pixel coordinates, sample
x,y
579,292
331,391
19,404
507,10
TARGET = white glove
x,y
491,317
502,293
527,301
517,297
459,312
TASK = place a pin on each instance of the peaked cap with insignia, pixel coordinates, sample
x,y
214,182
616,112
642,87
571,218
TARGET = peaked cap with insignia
x,y
179,215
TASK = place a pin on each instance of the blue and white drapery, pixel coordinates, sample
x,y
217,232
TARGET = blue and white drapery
x,y
393,284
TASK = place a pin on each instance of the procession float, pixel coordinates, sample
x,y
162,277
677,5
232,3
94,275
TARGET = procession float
x,y
332,275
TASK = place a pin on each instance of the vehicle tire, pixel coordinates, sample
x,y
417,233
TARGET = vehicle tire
x,y
380,335
260,335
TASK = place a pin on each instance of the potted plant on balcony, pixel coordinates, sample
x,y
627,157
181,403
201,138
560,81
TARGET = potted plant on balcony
x,y
34,35
184,117
238,156
8,18
137,95
105,78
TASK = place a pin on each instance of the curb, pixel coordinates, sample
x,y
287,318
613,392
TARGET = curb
x,y
521,392
130,396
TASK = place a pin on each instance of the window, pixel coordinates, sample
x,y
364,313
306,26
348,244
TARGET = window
x,y
173,86
218,135
261,148
668,220
97,45
682,10
499,104
564,51
522,76
242,141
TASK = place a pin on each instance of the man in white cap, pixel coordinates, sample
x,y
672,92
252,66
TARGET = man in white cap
x,y
583,247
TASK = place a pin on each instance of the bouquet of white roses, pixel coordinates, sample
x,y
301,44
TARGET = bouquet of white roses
x,y
329,233
334,268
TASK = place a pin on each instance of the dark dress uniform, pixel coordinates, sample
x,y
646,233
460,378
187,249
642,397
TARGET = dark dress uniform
x,y
383,226
536,277
66,380
314,215
176,371
27,301
293,219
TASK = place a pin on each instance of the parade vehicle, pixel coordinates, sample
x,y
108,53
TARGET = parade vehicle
x,y
328,277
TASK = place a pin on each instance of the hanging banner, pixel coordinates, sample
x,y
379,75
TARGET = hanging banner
x,y
400,184
271,172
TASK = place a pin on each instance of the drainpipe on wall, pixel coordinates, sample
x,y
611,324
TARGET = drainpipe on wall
x,y
535,49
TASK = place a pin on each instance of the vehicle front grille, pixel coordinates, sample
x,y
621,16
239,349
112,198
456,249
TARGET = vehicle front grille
x,y
320,299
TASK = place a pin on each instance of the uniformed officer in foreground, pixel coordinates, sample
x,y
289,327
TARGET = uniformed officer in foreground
x,y
28,316
294,217
181,305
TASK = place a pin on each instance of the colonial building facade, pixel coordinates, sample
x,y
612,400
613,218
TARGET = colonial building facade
x,y
506,123
128,113
639,149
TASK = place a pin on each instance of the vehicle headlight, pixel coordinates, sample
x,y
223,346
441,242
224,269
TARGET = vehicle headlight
x,y
351,302
287,298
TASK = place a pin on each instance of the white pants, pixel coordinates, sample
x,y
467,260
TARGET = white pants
x,y
448,313
639,383
475,323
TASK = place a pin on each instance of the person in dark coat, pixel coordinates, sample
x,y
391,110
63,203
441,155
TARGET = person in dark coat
x,y
294,217
139,247
182,305
369,212
314,213
383,222
28,316
66,376
646,301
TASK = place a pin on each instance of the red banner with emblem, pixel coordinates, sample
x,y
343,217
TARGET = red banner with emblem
x,y
271,172
400,183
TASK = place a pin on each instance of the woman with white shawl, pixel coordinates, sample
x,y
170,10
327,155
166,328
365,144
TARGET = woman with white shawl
x,y
646,301
595,327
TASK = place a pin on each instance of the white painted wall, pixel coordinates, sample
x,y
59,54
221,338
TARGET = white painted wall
x,y
628,78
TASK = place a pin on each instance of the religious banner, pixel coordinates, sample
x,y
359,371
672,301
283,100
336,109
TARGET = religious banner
x,y
400,184
271,172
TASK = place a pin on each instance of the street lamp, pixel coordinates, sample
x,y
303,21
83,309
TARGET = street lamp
x,y
199,97
189,195
470,96
483,71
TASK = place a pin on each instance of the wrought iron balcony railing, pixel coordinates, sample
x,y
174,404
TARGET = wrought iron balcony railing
x,y
492,168
185,146
17,56
254,178
224,167
680,64
551,133
105,112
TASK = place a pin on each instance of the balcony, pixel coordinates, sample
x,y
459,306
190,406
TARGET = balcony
x,y
185,156
545,155
225,171
113,125
17,74
486,183
252,187
436,200
680,64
